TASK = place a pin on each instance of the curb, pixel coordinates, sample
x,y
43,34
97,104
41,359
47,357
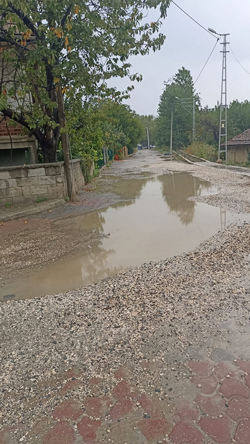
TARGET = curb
x,y
30,211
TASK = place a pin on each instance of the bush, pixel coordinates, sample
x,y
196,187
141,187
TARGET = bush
x,y
203,150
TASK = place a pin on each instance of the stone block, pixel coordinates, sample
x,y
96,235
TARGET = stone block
x,y
36,172
4,175
13,192
47,180
22,200
3,184
53,170
56,191
4,201
22,172
37,191
26,191
59,179
11,183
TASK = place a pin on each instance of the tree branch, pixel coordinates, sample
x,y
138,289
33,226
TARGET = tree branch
x,y
63,21
19,118
25,20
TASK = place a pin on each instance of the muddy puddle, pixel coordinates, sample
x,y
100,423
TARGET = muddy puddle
x,y
154,221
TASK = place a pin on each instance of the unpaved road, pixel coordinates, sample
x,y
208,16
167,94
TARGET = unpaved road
x,y
157,354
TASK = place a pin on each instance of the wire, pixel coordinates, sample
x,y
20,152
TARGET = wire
x,y
210,55
194,20
239,62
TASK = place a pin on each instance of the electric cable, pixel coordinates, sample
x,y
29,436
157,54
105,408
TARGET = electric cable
x,y
239,62
210,55
194,20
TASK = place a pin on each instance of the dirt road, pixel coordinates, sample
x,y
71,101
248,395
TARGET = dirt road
x,y
156,354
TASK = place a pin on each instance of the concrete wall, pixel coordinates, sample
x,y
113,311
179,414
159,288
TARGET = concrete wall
x,y
238,154
24,184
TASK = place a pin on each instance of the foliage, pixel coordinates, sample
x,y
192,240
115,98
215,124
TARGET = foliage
x,y
203,150
179,87
124,122
49,46
208,122
149,122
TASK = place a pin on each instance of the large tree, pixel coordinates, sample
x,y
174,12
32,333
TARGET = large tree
x,y
49,47
177,88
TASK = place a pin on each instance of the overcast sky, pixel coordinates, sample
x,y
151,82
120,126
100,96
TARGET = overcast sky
x,y
188,45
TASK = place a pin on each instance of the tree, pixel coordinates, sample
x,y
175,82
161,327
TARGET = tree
x,y
52,47
180,86
126,121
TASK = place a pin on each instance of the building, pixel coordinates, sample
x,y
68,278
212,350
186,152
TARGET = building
x,y
16,147
238,148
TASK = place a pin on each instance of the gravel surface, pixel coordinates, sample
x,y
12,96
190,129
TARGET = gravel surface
x,y
194,306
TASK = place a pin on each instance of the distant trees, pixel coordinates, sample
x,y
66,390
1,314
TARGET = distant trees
x,y
149,122
207,119
181,86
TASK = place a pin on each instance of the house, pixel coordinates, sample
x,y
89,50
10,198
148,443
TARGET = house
x,y
238,148
16,147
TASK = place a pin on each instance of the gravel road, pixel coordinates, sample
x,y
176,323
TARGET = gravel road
x,y
150,321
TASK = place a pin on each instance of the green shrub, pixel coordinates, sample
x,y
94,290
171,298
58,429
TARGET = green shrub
x,y
203,150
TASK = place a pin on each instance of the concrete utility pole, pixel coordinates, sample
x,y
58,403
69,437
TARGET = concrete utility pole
x,y
148,137
189,105
223,101
171,131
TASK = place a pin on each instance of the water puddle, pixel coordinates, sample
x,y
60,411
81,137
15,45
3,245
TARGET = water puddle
x,y
157,222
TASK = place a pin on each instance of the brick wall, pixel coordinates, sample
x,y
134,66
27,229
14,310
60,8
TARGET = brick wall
x,y
7,128
25,184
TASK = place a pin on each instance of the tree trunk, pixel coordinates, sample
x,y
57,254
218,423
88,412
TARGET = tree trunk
x,y
65,145
48,151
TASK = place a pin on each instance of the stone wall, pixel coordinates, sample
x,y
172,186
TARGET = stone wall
x,y
25,184
238,154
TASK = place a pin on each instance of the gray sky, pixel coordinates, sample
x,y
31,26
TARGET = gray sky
x,y
188,45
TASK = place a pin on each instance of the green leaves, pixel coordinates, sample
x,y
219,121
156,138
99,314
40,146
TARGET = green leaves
x,y
82,44
181,87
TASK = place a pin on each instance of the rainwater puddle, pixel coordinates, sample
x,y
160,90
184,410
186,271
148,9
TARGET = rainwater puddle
x,y
158,222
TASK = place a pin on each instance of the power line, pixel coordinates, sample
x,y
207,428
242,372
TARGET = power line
x,y
239,62
194,20
210,55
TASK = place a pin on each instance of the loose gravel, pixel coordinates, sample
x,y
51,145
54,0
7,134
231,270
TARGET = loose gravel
x,y
191,306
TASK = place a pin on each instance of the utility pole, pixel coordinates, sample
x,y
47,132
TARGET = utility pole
x,y
148,137
171,131
189,105
194,122
223,101
65,144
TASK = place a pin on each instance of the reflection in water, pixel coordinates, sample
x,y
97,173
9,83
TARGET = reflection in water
x,y
155,222
176,189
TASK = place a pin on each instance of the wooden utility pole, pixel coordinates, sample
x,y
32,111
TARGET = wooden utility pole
x,y
65,144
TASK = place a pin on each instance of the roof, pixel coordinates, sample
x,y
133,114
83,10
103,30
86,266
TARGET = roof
x,y
241,139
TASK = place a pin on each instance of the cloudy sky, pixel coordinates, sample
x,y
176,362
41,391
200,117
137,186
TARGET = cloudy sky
x,y
188,45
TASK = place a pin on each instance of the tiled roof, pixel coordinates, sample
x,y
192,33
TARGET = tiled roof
x,y
243,137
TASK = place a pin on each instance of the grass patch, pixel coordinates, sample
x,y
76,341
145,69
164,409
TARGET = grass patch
x,y
41,199
7,205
